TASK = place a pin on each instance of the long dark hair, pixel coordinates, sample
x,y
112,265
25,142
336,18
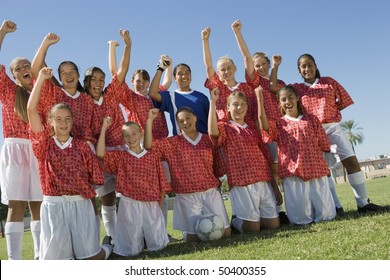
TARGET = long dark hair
x,y
309,56
291,89
79,86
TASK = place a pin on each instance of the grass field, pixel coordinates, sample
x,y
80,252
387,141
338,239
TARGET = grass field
x,y
353,237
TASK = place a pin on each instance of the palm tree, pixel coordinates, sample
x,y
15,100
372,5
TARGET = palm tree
x,y
353,131
354,134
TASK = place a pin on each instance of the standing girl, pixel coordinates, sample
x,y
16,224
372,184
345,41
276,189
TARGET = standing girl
x,y
324,97
301,142
106,104
184,96
253,197
67,170
17,156
190,158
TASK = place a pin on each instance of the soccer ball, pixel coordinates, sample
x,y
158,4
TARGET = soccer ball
x,y
209,227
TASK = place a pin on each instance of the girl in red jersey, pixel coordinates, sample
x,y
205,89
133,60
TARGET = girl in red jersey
x,y
190,158
142,182
17,156
68,169
224,79
71,92
324,97
254,199
106,103
301,142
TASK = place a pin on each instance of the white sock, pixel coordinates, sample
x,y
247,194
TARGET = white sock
x,y
109,219
358,184
14,236
184,233
281,207
35,226
334,194
237,223
107,249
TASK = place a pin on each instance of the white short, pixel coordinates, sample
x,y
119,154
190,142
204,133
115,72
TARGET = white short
x,y
108,187
253,202
308,202
68,228
138,220
19,175
187,208
341,147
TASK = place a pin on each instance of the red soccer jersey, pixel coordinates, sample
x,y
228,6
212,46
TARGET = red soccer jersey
x,y
191,163
138,107
138,176
108,105
301,142
69,169
271,103
225,91
81,105
245,161
13,126
324,99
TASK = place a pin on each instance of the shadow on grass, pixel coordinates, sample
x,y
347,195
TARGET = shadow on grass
x,y
181,248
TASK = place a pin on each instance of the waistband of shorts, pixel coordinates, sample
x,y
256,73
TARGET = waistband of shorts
x,y
17,140
206,191
63,198
327,125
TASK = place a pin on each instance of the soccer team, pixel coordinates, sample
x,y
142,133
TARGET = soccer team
x,y
67,144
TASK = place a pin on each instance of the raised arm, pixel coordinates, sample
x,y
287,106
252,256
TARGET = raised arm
x,y
125,61
248,62
262,117
6,27
101,144
212,120
154,85
112,44
208,62
148,136
273,80
33,101
39,58
168,75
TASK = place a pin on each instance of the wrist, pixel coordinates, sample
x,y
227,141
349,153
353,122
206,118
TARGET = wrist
x,y
160,69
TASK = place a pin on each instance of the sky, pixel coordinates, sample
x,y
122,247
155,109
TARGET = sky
x,y
349,39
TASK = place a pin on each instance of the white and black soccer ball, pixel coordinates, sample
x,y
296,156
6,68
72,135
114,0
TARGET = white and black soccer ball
x,y
209,227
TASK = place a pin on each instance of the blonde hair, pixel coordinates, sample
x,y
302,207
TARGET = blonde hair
x,y
130,123
236,94
224,59
260,54
21,94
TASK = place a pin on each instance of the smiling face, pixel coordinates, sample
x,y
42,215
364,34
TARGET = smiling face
x,y
132,136
288,102
307,68
226,70
96,84
69,77
61,120
140,84
262,65
21,71
186,121
237,107
183,77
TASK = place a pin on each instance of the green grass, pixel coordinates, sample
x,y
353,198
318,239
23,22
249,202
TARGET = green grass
x,y
353,237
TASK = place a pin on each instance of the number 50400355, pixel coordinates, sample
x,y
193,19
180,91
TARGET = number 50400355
x,y
242,270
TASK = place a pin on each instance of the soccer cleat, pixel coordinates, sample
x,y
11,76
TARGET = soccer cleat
x,y
340,211
283,219
107,240
372,208
172,239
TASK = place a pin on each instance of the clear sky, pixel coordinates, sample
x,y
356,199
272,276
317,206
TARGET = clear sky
x,y
350,41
